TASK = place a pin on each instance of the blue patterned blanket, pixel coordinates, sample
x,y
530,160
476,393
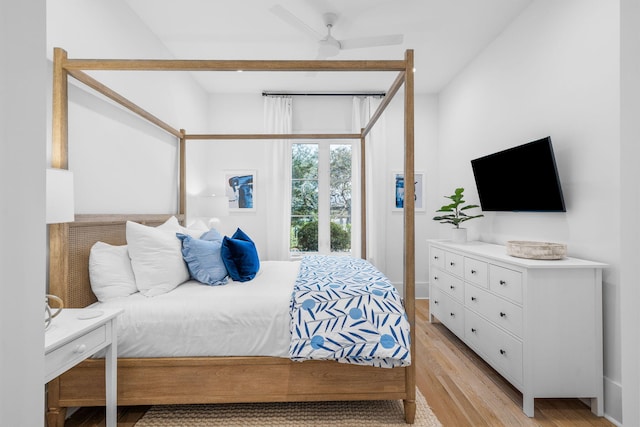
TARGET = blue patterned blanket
x,y
344,309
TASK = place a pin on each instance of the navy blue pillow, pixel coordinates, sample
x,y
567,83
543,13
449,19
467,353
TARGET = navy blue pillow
x,y
240,256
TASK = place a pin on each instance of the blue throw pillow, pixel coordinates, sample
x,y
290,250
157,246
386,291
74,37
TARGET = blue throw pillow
x,y
204,260
240,256
212,235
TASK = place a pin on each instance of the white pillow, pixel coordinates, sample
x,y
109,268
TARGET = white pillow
x,y
171,224
195,229
110,271
156,257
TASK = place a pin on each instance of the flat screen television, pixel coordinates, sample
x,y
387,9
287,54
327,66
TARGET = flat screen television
x,y
522,178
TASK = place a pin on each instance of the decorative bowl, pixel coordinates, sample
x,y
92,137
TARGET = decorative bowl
x,y
536,250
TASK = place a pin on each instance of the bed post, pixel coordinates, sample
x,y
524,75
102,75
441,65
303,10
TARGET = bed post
x,y
58,233
182,190
409,234
59,114
363,197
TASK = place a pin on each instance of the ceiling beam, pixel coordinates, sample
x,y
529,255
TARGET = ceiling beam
x,y
274,136
229,65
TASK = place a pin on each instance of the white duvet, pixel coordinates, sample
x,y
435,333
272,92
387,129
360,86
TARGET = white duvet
x,y
238,319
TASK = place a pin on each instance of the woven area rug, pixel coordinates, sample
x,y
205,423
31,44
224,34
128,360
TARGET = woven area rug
x,y
343,414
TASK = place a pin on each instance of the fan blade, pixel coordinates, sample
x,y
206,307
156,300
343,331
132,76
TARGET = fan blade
x,y
294,21
373,41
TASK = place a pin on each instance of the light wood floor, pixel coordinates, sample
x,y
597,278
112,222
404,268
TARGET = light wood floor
x,y
461,389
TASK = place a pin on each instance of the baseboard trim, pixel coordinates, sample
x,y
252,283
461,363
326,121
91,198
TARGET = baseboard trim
x,y
613,401
422,289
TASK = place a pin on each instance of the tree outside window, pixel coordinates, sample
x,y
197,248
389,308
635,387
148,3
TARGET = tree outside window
x,y
321,190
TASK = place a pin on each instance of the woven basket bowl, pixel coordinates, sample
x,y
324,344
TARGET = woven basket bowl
x,y
536,250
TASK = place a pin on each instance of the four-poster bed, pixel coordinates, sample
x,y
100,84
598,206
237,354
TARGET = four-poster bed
x,y
146,381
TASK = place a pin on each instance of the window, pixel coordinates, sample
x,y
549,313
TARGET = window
x,y
321,190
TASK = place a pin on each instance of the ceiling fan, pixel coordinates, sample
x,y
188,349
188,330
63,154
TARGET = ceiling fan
x,y
327,44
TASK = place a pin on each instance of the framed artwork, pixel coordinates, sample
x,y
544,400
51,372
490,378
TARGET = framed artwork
x,y
240,188
397,181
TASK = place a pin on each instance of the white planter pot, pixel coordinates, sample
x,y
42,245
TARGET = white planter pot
x,y
459,235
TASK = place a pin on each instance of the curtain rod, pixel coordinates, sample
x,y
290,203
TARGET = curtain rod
x,y
286,93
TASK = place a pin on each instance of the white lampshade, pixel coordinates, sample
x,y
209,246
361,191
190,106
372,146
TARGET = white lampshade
x,y
60,207
213,206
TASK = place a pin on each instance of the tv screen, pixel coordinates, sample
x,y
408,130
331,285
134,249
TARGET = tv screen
x,y
522,178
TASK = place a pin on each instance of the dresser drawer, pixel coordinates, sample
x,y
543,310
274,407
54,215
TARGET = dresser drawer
x,y
503,313
477,333
436,302
506,351
436,257
476,272
448,311
448,284
500,349
505,282
454,263
76,350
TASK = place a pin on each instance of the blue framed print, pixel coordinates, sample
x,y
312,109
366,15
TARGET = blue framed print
x,y
398,191
240,187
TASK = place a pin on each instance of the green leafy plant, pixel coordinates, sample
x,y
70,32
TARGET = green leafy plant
x,y
308,237
455,211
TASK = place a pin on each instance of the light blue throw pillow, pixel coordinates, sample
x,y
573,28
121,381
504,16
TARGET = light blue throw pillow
x,y
212,235
204,260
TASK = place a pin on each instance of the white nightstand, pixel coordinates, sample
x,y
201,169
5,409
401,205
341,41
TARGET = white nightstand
x,y
76,334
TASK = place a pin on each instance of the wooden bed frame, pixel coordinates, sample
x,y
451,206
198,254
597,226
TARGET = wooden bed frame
x,y
151,381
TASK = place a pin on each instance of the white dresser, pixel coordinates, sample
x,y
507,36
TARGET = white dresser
x,y
538,323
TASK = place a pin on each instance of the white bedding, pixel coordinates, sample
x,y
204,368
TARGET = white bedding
x,y
238,319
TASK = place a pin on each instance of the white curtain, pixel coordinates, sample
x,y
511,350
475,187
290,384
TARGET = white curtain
x,y
278,119
375,146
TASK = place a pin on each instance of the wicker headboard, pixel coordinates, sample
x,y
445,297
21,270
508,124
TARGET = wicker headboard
x,y
69,247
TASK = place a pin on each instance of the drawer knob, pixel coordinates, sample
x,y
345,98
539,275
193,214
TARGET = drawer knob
x,y
452,287
502,282
435,277
81,348
473,330
503,352
435,301
452,263
473,272
473,298
435,257
452,314
503,314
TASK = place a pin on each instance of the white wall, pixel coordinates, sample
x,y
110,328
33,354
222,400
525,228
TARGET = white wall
x,y
121,163
630,206
22,212
235,114
426,161
554,71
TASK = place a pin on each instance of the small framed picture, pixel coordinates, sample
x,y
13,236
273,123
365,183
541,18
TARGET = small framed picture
x,y
240,186
397,181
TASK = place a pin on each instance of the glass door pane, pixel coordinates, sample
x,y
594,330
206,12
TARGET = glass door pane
x,y
340,187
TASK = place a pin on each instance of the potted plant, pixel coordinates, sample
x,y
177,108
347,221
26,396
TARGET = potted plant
x,y
455,215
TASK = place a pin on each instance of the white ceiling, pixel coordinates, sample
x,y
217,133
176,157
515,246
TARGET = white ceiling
x,y
445,36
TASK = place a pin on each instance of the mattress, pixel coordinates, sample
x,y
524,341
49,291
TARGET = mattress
x,y
238,319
